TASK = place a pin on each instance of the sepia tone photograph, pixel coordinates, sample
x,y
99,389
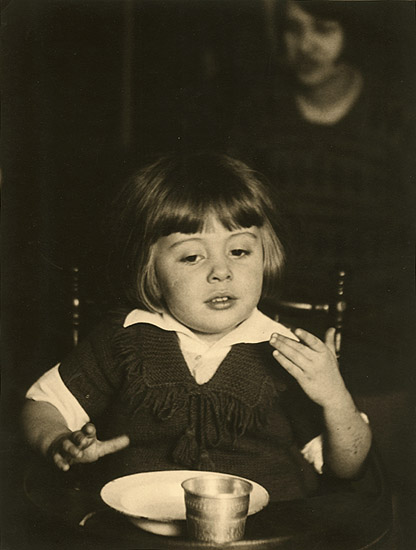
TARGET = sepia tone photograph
x,y
208,274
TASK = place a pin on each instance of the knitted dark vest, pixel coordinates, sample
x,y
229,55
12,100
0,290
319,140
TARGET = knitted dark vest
x,y
238,422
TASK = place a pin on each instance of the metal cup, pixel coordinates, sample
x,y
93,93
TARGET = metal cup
x,y
216,507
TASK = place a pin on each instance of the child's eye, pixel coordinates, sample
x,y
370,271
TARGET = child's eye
x,y
239,252
193,258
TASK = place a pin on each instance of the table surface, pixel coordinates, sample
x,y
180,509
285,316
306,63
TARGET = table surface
x,y
294,525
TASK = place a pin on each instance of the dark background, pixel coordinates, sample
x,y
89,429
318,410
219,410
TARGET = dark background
x,y
93,89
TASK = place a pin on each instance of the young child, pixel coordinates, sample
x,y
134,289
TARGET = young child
x,y
192,375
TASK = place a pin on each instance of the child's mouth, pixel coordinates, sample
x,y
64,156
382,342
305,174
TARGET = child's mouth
x,y
220,302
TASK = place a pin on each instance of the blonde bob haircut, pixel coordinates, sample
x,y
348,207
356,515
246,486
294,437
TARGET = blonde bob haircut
x,y
178,194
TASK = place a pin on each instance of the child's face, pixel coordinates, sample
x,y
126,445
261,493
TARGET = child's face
x,y
211,281
313,45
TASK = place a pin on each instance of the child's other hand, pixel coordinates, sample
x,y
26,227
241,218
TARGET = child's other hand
x,y
83,446
313,364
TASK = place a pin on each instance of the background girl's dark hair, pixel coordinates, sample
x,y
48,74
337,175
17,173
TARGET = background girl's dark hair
x,y
176,194
342,12
335,11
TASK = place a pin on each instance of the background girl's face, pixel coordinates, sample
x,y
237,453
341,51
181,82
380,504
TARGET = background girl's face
x,y
211,281
313,45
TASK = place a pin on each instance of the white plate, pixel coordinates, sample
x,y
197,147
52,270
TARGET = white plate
x,y
155,501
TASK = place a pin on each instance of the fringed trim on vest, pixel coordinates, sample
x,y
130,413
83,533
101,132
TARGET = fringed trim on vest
x,y
163,401
214,412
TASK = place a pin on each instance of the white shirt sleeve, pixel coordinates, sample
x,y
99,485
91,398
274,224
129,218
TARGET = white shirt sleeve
x,y
51,389
312,451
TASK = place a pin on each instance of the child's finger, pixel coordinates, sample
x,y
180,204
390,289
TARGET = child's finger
x,y
330,339
310,340
288,365
60,462
281,343
69,448
89,430
114,445
290,349
84,437
78,438
81,440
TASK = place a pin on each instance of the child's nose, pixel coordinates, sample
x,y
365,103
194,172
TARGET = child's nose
x,y
220,271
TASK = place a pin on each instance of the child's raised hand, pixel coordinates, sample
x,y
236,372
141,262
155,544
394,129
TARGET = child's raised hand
x,y
83,446
313,364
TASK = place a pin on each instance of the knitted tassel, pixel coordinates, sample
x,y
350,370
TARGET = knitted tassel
x,y
186,450
205,462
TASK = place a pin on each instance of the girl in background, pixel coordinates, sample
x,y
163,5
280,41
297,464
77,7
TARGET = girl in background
x,y
332,126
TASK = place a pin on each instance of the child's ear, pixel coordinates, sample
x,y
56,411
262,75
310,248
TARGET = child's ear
x,y
150,288
156,288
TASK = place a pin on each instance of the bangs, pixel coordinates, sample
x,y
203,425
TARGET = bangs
x,y
330,11
196,195
192,218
